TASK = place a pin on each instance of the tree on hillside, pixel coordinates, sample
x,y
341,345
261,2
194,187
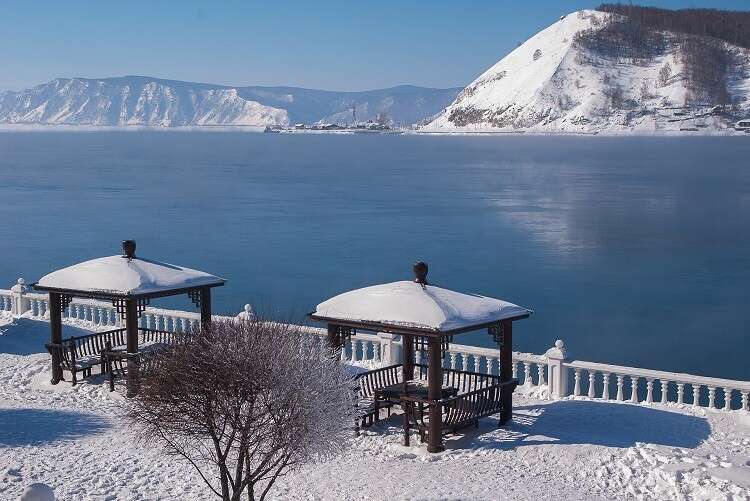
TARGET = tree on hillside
x,y
665,73
244,402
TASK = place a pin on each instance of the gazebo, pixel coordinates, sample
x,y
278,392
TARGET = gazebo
x,y
130,283
426,315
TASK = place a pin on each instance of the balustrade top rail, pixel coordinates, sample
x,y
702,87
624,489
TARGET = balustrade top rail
x,y
660,375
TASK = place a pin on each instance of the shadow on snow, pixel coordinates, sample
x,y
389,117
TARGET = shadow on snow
x,y
24,336
31,427
585,422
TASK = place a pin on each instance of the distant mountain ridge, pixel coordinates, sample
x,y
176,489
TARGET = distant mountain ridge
x,y
617,69
146,101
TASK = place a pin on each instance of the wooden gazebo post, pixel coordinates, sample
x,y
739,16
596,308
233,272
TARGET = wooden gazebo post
x,y
407,341
205,306
131,336
55,323
434,394
506,370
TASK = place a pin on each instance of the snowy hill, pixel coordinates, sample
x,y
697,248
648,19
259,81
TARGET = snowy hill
x,y
404,104
558,81
146,101
134,101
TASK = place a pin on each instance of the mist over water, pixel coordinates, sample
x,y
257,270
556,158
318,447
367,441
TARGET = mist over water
x,y
633,250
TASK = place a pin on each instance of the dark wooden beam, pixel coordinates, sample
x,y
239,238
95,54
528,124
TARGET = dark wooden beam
x,y
506,370
399,329
131,332
434,394
55,336
407,342
205,306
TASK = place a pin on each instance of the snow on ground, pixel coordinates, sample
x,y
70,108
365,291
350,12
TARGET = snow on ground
x,y
75,440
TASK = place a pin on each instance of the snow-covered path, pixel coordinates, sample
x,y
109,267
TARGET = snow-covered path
x,y
72,439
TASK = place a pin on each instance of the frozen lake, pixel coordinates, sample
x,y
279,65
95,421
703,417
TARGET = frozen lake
x,y
633,250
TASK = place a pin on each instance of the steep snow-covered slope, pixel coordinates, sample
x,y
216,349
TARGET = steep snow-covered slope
x,y
550,83
134,101
167,103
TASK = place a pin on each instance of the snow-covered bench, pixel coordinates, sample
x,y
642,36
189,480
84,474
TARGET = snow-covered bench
x,y
477,395
368,406
83,353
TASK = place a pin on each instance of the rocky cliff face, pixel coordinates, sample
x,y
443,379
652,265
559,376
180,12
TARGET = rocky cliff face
x,y
558,81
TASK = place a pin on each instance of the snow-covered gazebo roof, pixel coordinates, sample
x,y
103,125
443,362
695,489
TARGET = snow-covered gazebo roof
x,y
412,307
126,276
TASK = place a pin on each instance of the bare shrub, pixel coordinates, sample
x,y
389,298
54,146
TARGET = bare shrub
x,y
245,402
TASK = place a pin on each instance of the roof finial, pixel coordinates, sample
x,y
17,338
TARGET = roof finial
x,y
128,249
420,273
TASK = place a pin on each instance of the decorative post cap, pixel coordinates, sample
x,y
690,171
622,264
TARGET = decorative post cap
x,y
248,313
558,352
20,286
420,269
128,249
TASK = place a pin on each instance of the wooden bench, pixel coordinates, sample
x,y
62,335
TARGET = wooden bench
x,y
80,354
368,407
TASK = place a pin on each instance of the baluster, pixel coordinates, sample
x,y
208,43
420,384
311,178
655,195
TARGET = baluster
x,y
540,370
696,394
745,396
664,391
680,393
376,351
366,350
634,389
728,399
605,388
514,368
343,352
592,384
620,383
453,359
477,363
32,304
711,397
527,374
577,387
649,391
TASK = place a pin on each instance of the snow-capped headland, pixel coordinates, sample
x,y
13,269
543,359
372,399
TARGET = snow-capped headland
x,y
569,78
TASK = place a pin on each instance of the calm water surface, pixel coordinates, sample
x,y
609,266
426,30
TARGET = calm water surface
x,y
634,251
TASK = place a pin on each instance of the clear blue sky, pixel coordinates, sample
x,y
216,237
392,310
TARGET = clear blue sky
x,y
337,45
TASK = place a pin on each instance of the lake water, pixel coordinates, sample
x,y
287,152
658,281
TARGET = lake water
x,y
633,250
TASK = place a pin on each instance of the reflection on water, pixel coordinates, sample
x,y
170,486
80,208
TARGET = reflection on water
x,y
633,250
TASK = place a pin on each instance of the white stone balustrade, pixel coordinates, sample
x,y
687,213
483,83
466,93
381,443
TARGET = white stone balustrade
x,y
552,370
705,392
